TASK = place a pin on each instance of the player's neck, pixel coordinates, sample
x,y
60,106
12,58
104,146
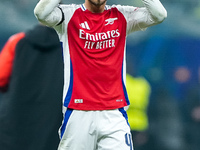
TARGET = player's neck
x,y
93,8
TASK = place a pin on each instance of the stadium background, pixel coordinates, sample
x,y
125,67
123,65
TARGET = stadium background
x,y
167,55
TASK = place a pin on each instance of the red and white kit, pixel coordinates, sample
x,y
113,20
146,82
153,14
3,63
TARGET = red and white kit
x,y
95,66
96,46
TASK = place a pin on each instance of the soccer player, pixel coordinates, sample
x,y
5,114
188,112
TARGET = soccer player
x,y
93,36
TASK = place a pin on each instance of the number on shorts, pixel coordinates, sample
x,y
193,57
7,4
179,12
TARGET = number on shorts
x,y
128,140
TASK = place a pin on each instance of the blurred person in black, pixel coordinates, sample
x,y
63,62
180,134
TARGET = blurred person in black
x,y
31,79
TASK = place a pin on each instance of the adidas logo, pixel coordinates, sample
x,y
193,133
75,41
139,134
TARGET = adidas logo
x,y
78,101
85,25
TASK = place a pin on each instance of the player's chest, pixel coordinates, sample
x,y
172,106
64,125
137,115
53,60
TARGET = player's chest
x,y
92,23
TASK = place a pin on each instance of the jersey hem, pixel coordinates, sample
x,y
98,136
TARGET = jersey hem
x,y
96,109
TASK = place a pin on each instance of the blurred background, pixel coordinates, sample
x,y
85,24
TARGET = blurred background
x,y
167,56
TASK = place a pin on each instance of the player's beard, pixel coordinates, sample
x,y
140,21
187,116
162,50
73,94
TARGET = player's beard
x,y
97,2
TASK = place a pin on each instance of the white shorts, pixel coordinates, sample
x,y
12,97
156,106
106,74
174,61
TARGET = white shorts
x,y
95,130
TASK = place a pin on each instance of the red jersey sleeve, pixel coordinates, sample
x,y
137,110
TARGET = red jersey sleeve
x,y
6,59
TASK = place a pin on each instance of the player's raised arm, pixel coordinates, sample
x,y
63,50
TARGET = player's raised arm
x,y
48,12
153,13
156,10
140,18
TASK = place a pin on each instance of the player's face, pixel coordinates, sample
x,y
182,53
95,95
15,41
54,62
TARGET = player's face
x,y
97,2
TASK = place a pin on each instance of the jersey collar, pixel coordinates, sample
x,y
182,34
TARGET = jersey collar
x,y
84,8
